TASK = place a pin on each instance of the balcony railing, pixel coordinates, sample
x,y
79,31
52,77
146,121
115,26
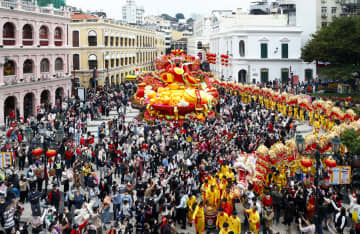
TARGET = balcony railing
x,y
30,6
31,78
9,41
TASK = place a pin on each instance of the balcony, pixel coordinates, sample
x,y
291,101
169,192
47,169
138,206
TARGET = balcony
x,y
29,79
32,7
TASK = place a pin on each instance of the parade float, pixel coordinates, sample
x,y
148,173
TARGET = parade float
x,y
177,91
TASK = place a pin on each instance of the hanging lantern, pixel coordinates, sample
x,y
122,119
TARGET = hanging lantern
x,y
330,162
37,152
51,153
306,162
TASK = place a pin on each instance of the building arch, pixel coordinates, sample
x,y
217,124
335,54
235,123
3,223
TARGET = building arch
x,y
242,76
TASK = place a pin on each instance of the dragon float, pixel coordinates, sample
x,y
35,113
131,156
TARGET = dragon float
x,y
178,90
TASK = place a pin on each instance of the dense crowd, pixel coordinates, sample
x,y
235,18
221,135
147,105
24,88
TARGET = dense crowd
x,y
134,176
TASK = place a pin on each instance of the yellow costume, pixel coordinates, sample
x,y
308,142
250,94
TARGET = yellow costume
x,y
190,203
235,224
229,197
212,197
290,111
302,115
222,217
254,220
311,118
296,116
199,219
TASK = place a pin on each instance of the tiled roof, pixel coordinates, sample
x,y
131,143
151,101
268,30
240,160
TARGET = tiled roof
x,y
83,16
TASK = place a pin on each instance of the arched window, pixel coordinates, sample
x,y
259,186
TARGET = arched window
x,y
9,34
44,36
199,45
59,66
92,38
92,61
27,35
44,65
28,66
9,68
242,48
58,36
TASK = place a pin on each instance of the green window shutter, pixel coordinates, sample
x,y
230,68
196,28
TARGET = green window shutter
x,y
284,75
308,74
264,50
264,75
284,51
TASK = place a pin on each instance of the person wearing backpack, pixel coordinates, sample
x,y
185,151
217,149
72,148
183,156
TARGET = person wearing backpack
x,y
340,220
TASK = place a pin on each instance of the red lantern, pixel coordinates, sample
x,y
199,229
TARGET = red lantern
x,y
51,153
306,162
37,152
330,162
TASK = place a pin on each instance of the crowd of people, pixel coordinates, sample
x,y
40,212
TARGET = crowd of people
x,y
137,177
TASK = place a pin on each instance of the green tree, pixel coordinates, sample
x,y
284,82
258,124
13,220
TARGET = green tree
x,y
337,44
351,139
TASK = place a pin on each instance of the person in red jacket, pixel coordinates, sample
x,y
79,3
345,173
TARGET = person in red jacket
x,y
267,200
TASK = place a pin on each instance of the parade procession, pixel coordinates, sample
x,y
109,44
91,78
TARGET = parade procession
x,y
240,121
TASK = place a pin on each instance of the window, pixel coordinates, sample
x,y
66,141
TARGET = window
x,y
117,62
76,62
121,41
111,41
92,38
28,66
126,61
284,50
323,10
9,34
333,10
284,75
106,40
92,62
264,75
323,1
59,66
199,45
58,36
75,38
106,64
122,61
117,41
44,65
264,50
44,36
323,24
27,35
9,68
112,61
242,48
308,74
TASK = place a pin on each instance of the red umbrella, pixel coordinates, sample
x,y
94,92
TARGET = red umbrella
x,y
38,151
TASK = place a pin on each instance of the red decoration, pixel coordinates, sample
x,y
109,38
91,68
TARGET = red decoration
x,y
306,162
330,163
51,153
78,151
37,152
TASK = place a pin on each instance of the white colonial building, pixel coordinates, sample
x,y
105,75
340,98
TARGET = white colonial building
x,y
261,48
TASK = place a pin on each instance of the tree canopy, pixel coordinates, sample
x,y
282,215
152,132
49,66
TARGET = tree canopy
x,y
351,139
337,44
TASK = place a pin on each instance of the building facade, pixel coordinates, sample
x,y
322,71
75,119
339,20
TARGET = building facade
x,y
261,48
34,57
133,14
106,51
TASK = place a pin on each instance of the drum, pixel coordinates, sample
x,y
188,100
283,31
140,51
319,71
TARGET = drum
x,y
210,217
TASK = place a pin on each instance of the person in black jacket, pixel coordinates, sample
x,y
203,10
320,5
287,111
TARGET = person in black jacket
x,y
34,198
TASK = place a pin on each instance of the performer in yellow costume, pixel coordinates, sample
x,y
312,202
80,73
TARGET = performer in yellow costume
x,y
296,114
302,115
311,117
221,218
190,203
290,111
254,219
199,218
204,188
322,121
234,223
212,196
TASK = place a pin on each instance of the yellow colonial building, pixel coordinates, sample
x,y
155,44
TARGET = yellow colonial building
x,y
105,52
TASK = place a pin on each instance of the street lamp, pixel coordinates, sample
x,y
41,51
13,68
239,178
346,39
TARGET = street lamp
x,y
300,145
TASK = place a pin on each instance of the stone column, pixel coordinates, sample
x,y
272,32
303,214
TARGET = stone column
x,y
2,120
21,104
1,36
52,66
36,34
37,72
